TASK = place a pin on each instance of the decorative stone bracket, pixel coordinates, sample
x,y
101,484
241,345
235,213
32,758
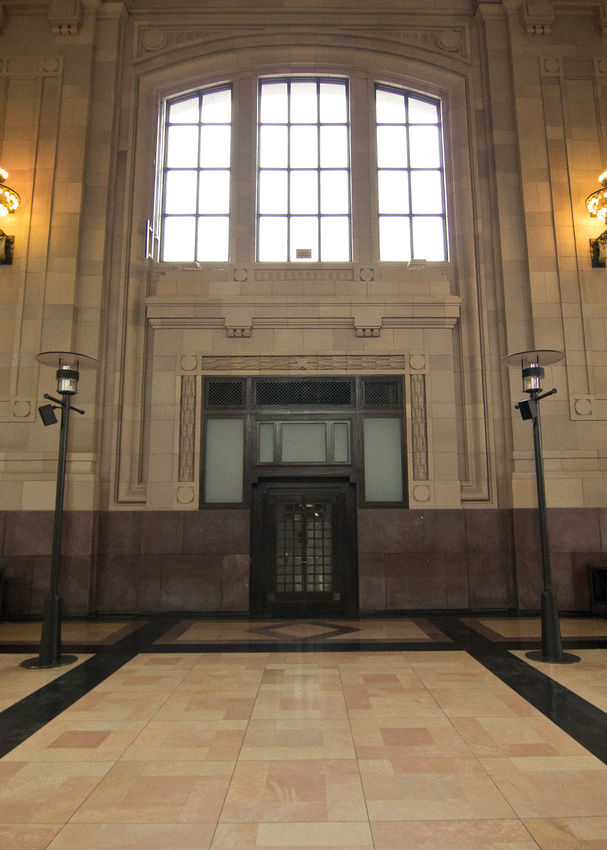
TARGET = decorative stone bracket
x,y
368,332
538,17
239,332
65,17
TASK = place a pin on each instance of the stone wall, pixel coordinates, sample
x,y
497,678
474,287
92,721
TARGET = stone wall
x,y
134,561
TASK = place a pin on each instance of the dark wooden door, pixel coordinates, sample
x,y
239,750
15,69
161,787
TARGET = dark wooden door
x,y
304,548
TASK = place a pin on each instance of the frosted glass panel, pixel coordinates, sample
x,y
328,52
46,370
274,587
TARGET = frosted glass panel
x,y
392,147
272,239
184,111
182,147
273,192
273,147
421,112
180,192
394,238
334,147
383,462
213,239
304,147
304,236
274,103
390,107
335,239
214,194
333,103
304,442
425,147
304,103
178,238
428,238
215,146
217,107
334,192
426,192
224,460
341,452
393,189
304,192
266,442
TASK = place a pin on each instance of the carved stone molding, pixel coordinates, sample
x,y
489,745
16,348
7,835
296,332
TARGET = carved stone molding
x,y
22,409
419,427
368,332
152,40
303,363
187,427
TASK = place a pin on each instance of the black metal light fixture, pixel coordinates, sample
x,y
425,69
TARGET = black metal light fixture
x,y
68,364
531,364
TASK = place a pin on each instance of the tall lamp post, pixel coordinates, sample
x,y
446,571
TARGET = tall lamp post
x,y
68,364
531,364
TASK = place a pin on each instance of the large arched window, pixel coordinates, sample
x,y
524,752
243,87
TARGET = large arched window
x,y
304,182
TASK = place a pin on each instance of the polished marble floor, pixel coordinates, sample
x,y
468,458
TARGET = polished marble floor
x,y
432,732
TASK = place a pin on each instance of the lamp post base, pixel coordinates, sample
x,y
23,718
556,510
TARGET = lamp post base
x,y
565,657
50,639
552,650
42,664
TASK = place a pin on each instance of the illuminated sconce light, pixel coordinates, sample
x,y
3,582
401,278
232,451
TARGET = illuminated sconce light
x,y
597,207
9,202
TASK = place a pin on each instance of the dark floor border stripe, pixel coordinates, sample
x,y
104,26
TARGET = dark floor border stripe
x,y
21,720
581,720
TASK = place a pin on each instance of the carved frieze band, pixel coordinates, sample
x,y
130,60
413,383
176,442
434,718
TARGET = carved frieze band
x,y
303,363
419,427
187,427
449,40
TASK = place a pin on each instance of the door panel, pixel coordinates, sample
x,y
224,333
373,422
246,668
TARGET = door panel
x,y
304,548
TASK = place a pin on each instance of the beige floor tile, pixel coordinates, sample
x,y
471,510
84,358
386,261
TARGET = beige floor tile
x,y
221,679
158,792
458,677
431,789
515,736
302,836
303,677
117,705
457,834
401,737
188,740
150,674
368,702
551,786
298,739
127,836
441,658
295,791
569,833
69,738
45,793
299,703
500,701
23,836
207,705
401,678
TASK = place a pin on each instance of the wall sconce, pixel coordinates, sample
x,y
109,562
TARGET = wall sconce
x,y
597,207
9,202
